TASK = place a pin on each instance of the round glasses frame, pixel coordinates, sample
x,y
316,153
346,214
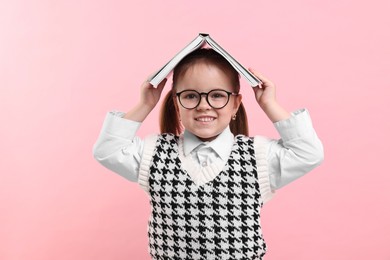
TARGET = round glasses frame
x,y
207,97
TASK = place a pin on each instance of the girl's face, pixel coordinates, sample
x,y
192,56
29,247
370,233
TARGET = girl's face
x,y
204,121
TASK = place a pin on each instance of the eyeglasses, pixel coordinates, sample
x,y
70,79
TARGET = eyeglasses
x,y
216,98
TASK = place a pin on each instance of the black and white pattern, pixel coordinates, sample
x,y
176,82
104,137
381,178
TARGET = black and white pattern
x,y
217,220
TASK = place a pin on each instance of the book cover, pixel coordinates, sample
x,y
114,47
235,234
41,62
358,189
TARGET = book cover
x,y
195,44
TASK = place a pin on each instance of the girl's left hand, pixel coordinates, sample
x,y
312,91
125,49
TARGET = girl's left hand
x,y
265,94
266,97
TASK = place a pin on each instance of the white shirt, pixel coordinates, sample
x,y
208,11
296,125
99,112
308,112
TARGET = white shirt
x,y
205,153
298,151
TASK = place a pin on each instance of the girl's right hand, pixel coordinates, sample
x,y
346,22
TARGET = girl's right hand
x,y
150,95
148,100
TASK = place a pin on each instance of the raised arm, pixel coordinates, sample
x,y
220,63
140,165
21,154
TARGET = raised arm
x,y
299,150
117,147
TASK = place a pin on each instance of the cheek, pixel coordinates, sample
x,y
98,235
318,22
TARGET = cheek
x,y
178,108
232,109
184,114
185,118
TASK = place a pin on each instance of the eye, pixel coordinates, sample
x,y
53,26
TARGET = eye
x,y
190,95
218,95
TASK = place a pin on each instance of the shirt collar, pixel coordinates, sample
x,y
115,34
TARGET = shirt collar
x,y
221,145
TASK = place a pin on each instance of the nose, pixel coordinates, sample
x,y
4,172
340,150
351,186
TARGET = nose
x,y
203,104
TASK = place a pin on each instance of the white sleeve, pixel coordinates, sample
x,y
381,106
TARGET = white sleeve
x,y
117,148
297,152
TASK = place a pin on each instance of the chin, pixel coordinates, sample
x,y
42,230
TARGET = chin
x,y
207,138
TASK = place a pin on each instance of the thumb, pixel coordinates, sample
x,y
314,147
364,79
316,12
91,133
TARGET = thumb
x,y
161,85
258,89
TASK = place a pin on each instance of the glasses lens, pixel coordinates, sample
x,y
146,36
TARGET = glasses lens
x,y
218,98
189,98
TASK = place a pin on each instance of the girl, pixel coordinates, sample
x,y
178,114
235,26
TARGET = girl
x,y
206,179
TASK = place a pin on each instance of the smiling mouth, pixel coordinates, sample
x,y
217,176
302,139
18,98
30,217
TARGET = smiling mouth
x,y
205,119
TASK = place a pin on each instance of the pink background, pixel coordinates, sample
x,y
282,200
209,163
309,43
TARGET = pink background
x,y
64,64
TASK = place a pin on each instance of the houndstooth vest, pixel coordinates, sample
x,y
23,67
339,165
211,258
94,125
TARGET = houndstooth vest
x,y
216,220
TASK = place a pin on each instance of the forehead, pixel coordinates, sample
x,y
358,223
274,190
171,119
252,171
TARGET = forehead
x,y
204,77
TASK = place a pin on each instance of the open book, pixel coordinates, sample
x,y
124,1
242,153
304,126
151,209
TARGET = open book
x,y
197,43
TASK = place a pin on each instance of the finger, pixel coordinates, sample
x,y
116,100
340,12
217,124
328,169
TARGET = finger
x,y
260,76
256,89
147,84
161,85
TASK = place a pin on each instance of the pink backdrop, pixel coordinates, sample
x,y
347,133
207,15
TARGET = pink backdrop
x,y
64,64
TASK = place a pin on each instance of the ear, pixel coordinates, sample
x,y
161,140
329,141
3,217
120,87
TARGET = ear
x,y
237,102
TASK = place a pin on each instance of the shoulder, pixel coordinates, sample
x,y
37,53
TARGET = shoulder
x,y
151,141
258,141
168,136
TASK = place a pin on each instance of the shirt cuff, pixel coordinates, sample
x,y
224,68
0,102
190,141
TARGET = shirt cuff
x,y
298,125
115,124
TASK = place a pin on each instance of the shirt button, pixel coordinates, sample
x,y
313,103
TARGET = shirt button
x,y
125,151
204,164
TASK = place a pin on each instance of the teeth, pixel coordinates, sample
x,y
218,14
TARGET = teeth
x,y
205,119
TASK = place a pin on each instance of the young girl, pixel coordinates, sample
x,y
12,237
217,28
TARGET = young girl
x,y
206,179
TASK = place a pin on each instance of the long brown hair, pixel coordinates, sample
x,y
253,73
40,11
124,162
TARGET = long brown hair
x,y
169,115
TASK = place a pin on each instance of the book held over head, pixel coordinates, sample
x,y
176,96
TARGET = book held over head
x,y
197,43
